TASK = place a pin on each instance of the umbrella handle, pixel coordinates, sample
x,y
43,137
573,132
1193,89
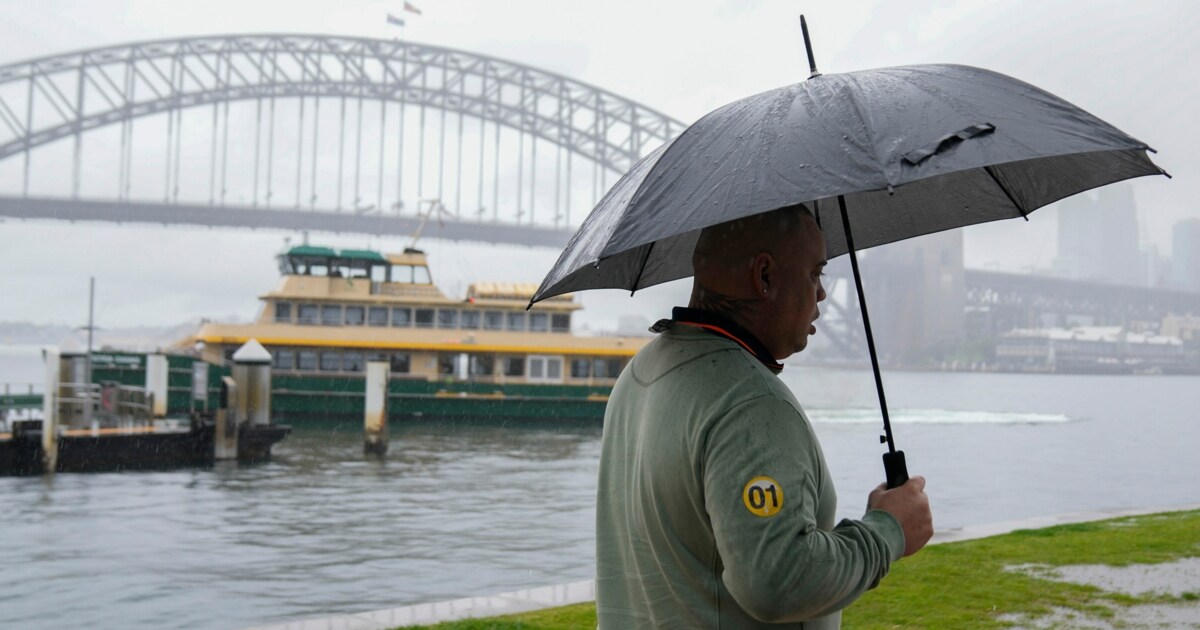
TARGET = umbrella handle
x,y
896,469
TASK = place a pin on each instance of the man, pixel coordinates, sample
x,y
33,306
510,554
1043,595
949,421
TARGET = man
x,y
715,508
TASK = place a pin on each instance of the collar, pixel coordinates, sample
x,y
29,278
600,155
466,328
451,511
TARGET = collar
x,y
722,327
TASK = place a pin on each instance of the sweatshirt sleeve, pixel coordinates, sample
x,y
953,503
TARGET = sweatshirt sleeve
x,y
762,477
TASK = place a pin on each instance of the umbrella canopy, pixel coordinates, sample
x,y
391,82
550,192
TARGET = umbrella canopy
x,y
912,149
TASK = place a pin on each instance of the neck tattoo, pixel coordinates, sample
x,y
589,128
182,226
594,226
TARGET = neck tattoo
x,y
726,306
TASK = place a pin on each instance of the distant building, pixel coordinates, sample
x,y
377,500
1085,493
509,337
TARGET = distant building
x,y
1091,350
1156,268
1185,255
1183,327
918,302
1098,237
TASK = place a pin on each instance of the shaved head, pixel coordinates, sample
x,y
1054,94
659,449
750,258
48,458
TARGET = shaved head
x,y
724,249
733,238
763,272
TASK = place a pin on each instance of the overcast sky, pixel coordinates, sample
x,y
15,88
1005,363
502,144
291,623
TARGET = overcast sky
x,y
1133,64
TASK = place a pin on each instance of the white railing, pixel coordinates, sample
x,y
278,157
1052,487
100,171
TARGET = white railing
x,y
110,403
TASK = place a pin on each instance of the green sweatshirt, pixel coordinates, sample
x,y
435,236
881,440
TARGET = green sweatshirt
x,y
715,508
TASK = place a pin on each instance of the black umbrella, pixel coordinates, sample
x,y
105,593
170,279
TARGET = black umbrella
x,y
893,152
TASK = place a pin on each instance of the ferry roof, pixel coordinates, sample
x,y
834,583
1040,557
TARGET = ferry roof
x,y
362,254
345,255
409,257
312,250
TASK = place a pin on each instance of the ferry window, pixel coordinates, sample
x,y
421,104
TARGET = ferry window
x,y
493,320
318,270
470,319
376,356
446,364
514,366
306,360
539,322
447,318
331,314
378,273
402,317
481,365
331,361
283,312
560,322
285,359
308,313
606,368
352,362
354,316
420,275
516,320
400,363
402,273
581,368
424,318
377,316
545,368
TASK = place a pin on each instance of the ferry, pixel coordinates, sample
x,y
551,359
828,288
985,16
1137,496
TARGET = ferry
x,y
480,356
1093,350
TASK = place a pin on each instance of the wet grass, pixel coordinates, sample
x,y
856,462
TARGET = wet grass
x,y
574,616
975,584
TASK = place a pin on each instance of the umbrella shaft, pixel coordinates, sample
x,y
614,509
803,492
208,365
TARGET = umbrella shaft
x,y
862,304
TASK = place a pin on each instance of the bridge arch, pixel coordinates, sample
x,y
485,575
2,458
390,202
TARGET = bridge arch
x,y
139,79
60,96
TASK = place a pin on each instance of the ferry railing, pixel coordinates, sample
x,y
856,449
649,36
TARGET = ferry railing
x,y
19,401
22,389
82,404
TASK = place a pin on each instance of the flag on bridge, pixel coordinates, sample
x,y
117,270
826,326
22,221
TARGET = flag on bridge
x,y
408,6
391,19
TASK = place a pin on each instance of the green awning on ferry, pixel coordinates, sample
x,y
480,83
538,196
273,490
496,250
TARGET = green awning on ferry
x,y
312,250
365,255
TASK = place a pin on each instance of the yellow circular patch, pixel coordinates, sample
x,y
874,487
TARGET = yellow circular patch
x,y
763,496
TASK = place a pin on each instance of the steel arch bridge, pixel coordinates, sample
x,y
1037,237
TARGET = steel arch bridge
x,y
145,110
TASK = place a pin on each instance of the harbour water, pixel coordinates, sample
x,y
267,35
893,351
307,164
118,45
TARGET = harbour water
x,y
457,510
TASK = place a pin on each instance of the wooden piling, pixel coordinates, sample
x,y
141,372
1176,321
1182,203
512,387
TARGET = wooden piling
x,y
252,371
156,384
50,411
225,439
375,413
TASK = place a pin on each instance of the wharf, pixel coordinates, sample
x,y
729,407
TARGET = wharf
x,y
124,410
161,445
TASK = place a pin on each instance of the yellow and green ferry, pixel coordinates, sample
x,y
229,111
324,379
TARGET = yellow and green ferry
x,y
480,356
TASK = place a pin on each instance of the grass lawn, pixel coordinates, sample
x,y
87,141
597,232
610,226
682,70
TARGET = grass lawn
x,y
966,584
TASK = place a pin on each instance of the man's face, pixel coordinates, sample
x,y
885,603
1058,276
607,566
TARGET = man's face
x,y
794,303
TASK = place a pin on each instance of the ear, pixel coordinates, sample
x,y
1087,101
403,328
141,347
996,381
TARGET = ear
x,y
762,272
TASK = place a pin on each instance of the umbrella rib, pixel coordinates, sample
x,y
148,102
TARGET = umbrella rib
x,y
1020,208
867,131
641,269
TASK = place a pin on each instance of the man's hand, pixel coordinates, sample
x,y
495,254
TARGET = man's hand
x,y
910,506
